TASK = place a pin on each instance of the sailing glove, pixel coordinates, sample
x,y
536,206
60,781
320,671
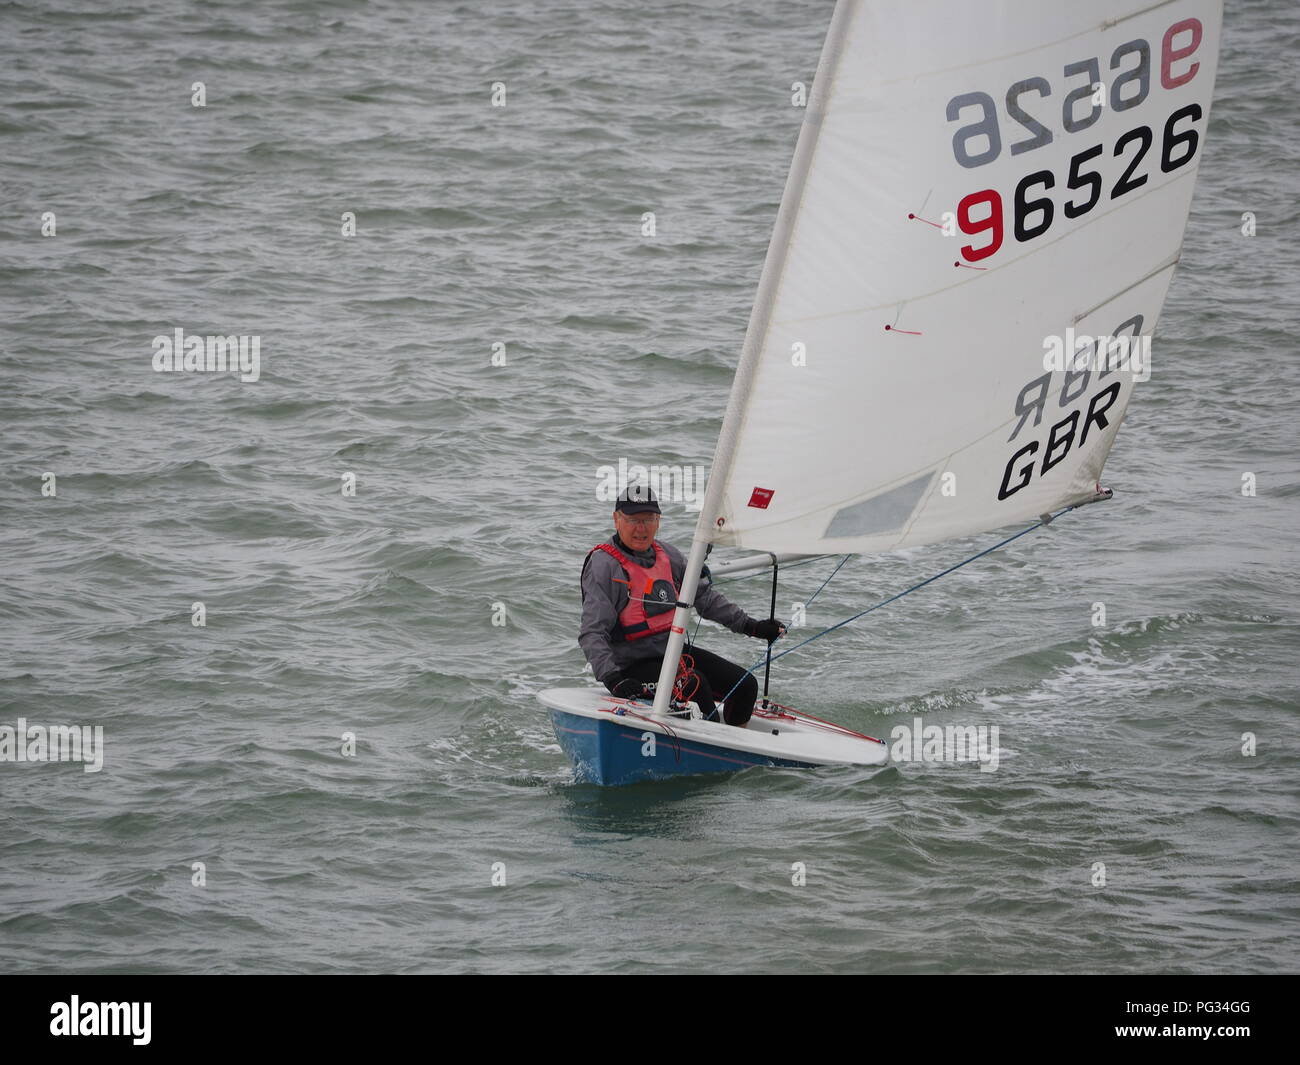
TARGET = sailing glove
x,y
625,687
768,629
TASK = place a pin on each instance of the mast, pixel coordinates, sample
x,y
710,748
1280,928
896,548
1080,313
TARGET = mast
x,y
759,319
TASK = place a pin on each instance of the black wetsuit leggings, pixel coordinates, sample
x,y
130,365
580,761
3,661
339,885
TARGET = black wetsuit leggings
x,y
720,676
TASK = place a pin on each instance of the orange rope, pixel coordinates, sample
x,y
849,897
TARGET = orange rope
x,y
812,719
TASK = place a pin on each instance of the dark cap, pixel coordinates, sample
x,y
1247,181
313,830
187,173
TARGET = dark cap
x,y
637,499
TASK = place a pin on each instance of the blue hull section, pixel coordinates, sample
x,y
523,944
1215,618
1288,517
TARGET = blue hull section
x,y
612,753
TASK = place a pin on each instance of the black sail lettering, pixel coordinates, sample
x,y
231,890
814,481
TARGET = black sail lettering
x,y
1097,410
1026,471
1061,443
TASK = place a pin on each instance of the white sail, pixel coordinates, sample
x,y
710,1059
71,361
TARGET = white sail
x,y
888,397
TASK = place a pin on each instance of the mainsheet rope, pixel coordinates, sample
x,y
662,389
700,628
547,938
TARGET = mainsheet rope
x,y
893,598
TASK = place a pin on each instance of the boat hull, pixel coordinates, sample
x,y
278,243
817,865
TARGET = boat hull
x,y
615,741
611,753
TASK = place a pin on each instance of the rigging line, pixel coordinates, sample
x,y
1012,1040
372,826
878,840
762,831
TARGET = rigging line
x,y
827,580
894,598
767,673
699,619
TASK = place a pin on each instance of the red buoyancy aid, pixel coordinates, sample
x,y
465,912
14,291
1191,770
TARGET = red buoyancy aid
x,y
651,594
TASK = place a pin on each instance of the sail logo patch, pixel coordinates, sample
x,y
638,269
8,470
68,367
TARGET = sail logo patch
x,y
761,498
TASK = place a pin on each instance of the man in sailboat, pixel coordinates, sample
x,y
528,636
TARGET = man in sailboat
x,y
630,586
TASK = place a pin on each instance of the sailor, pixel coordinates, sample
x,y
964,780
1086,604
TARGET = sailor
x,y
629,591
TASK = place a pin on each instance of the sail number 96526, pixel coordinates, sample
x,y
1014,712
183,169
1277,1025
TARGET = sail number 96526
x,y
1033,211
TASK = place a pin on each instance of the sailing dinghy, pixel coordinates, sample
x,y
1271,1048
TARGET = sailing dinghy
x,y
985,208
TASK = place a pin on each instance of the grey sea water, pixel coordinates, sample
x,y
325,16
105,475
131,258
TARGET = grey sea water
x,y
373,614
